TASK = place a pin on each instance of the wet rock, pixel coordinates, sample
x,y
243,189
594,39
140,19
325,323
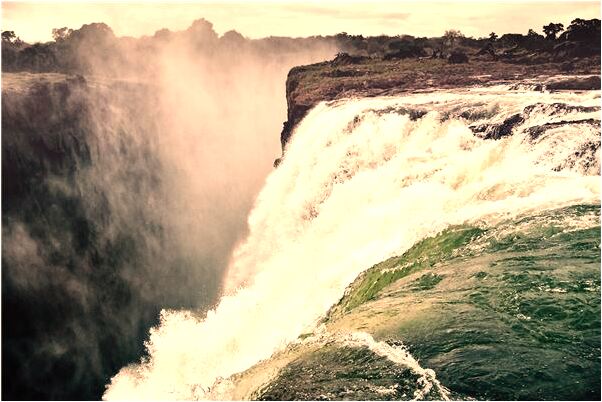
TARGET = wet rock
x,y
585,160
413,114
537,131
560,108
82,271
497,131
528,87
575,83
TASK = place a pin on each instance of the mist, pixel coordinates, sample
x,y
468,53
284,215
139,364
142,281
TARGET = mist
x,y
126,185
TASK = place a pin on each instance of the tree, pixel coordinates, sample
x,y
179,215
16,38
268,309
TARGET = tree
x,y
233,38
8,36
162,34
404,48
9,51
38,57
532,34
552,29
451,37
492,37
582,30
202,31
61,34
94,32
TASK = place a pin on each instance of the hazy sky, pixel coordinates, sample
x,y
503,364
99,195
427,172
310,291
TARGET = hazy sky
x,y
33,21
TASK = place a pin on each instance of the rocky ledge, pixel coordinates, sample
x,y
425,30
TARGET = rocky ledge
x,y
355,76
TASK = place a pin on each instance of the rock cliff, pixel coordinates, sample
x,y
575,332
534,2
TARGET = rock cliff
x,y
351,76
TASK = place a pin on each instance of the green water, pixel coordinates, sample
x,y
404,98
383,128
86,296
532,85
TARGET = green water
x,y
343,373
504,312
421,256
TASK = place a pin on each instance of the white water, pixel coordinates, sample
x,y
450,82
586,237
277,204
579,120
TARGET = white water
x,y
398,355
349,195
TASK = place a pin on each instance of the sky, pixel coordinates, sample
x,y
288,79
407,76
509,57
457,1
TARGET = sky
x,y
34,21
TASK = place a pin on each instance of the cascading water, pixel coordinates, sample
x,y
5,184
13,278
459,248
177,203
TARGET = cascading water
x,y
363,180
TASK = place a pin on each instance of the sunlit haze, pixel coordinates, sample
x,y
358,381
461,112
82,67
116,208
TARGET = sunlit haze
x,y
34,21
318,200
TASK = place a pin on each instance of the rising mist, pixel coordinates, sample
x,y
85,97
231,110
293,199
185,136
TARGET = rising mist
x,y
125,189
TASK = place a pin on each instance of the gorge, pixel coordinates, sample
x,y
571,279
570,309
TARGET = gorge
x,y
429,231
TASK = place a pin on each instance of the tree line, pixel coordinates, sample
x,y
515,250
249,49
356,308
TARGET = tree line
x,y
78,50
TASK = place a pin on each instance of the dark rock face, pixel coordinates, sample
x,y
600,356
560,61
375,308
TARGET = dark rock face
x,y
54,260
537,131
497,131
558,108
413,114
504,129
295,110
56,114
43,137
84,264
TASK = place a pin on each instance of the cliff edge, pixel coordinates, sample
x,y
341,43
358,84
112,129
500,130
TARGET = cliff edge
x,y
349,76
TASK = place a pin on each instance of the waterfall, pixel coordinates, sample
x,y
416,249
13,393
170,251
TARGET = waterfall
x,y
363,180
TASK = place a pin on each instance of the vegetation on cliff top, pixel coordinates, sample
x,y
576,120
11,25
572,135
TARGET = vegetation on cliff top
x,y
406,64
78,50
